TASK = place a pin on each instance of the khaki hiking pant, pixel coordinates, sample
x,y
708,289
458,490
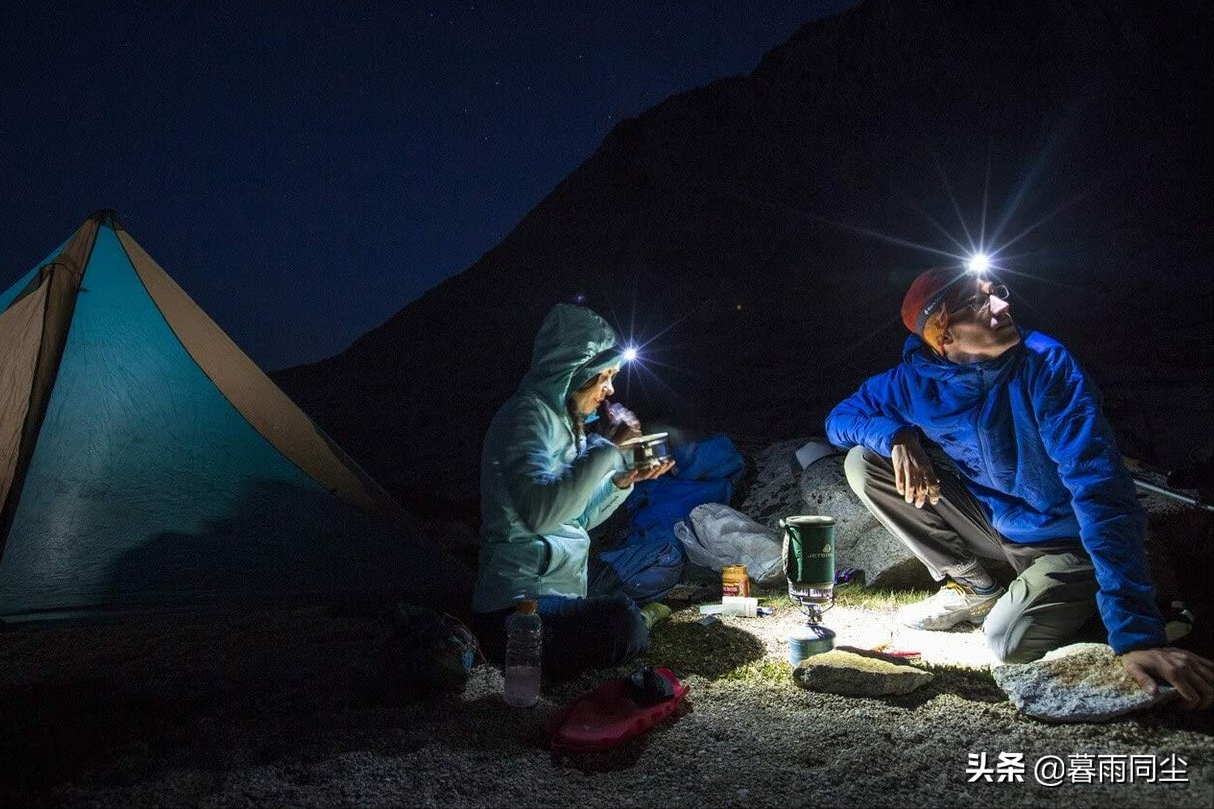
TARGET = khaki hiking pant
x,y
1050,603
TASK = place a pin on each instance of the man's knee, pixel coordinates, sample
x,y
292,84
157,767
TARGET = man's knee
x,y
861,467
1006,640
1019,630
1008,626
596,632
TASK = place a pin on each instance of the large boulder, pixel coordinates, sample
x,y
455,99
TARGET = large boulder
x,y
771,493
780,489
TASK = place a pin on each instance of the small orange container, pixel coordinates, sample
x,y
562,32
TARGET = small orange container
x,y
735,581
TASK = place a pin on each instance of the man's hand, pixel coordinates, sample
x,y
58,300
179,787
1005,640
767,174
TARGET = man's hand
x,y
914,476
618,423
1191,675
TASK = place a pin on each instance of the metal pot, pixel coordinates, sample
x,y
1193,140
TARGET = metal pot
x,y
647,451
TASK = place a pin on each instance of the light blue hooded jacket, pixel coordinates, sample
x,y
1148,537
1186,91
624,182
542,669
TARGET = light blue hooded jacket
x,y
1030,442
541,489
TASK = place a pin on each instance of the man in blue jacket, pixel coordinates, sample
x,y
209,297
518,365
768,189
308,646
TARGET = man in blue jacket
x,y
1028,472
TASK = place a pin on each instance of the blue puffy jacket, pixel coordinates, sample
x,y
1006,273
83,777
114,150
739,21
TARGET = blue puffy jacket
x,y
1030,442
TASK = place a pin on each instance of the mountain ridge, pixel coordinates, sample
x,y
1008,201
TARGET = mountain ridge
x,y
742,218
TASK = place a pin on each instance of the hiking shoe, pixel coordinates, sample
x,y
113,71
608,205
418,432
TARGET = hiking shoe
x,y
950,606
653,612
1178,621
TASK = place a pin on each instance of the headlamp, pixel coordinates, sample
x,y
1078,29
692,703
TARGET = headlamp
x,y
978,263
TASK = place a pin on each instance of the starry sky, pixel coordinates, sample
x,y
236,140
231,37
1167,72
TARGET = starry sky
x,y
305,169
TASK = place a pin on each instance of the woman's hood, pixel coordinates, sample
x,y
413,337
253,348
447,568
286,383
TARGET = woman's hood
x,y
572,341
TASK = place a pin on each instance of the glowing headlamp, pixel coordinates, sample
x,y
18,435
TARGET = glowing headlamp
x,y
978,263
629,354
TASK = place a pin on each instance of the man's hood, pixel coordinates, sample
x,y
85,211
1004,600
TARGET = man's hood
x,y
919,355
572,341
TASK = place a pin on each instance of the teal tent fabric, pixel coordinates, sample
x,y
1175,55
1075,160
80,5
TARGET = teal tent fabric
x,y
147,487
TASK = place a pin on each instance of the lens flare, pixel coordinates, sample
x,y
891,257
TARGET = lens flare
x,y
630,354
978,263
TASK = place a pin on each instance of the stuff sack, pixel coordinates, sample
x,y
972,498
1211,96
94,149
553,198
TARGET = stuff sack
x,y
715,535
618,710
643,571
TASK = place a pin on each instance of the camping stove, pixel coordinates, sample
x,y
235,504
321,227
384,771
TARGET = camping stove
x,y
809,565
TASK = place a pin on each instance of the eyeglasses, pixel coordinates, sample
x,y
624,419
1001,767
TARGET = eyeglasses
x,y
983,299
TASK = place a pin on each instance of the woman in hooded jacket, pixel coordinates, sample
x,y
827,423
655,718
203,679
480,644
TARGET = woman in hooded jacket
x,y
545,483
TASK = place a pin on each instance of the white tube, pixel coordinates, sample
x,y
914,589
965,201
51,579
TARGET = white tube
x,y
745,606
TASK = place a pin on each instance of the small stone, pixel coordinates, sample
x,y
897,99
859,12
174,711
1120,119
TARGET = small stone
x,y
857,673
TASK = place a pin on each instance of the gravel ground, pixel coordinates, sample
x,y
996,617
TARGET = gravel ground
x,y
285,709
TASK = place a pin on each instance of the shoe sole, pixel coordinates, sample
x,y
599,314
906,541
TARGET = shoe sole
x,y
975,622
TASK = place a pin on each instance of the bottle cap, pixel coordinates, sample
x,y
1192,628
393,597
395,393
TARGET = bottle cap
x,y
525,605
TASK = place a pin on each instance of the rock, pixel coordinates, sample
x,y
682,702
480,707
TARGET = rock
x,y
858,673
774,493
1083,682
749,299
885,560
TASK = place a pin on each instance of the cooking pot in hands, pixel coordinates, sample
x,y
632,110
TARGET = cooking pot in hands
x,y
647,451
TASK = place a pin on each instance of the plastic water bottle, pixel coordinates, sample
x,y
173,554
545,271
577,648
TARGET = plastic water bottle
x,y
524,646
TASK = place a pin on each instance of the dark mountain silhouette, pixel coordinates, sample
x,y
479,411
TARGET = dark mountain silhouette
x,y
738,221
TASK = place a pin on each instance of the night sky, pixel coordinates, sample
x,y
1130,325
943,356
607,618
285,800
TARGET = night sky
x,y
306,169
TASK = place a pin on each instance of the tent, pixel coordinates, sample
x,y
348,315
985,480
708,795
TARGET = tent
x,y
146,462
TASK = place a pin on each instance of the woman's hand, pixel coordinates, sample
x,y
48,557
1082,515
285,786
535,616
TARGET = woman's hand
x,y
619,424
624,479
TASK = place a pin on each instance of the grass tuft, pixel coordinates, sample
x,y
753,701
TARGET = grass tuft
x,y
761,671
877,599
